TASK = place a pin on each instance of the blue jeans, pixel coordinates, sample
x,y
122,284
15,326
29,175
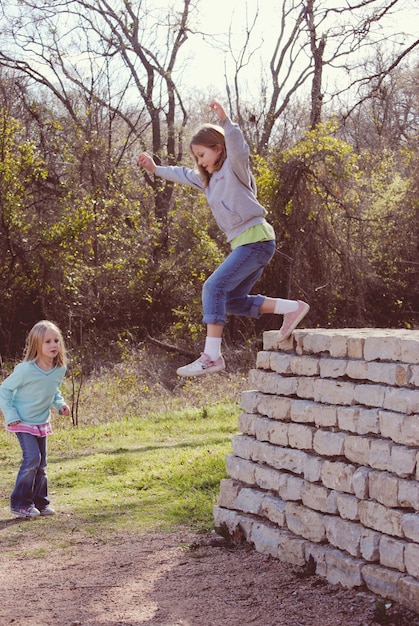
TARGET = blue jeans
x,y
31,483
227,290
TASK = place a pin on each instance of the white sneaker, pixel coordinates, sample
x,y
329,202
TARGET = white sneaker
x,y
26,512
48,510
291,320
201,366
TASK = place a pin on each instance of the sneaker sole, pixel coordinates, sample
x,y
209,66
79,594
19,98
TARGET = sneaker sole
x,y
23,516
295,323
207,370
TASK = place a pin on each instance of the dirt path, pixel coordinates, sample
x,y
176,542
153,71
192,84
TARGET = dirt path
x,y
160,579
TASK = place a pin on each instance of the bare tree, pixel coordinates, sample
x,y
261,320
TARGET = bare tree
x,y
315,42
117,54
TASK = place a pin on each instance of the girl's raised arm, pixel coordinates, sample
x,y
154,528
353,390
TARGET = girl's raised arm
x,y
218,109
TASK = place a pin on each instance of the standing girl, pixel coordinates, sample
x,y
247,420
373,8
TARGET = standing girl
x,y
222,158
26,398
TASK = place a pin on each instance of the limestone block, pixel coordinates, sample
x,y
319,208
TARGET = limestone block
x,y
273,509
347,506
240,469
370,395
249,401
338,475
300,436
410,348
408,588
397,374
402,400
263,360
318,553
378,517
319,498
314,343
305,387
268,478
410,526
414,375
368,421
411,557
344,535
244,447
327,443
303,411
382,348
248,500
269,430
355,346
348,417
357,449
410,430
332,368
272,341
370,545
304,366
384,488
325,415
276,407
360,482
229,491
334,392
382,581
284,458
312,468
304,522
357,370
269,382
338,346
392,553
403,460
400,428
380,454
291,549
226,517
246,423
408,495
290,488
280,362
391,425
343,569
265,539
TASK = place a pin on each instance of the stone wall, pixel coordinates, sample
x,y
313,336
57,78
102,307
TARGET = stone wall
x,y
327,463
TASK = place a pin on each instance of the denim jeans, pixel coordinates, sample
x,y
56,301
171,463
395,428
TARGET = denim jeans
x,y
227,290
31,483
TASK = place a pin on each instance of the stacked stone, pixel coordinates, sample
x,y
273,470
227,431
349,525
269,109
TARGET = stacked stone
x,y
327,463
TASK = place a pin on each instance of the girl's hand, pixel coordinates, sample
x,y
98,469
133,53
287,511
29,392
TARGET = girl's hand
x,y
64,410
146,161
218,109
15,423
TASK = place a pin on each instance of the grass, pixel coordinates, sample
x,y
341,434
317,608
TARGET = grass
x,y
139,470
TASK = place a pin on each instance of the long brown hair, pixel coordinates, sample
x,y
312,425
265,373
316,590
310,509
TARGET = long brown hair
x,y
35,339
210,136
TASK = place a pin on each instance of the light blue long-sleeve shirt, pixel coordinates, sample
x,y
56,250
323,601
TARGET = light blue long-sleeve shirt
x,y
29,393
231,192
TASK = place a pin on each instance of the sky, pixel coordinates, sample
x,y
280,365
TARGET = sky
x,y
206,63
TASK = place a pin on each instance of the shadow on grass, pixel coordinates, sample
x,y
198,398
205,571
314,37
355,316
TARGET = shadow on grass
x,y
141,449
13,521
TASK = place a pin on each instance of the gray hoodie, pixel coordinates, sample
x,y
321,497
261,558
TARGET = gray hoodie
x,y
231,192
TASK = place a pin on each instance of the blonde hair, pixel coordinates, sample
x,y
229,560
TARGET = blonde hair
x,y
210,136
35,339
